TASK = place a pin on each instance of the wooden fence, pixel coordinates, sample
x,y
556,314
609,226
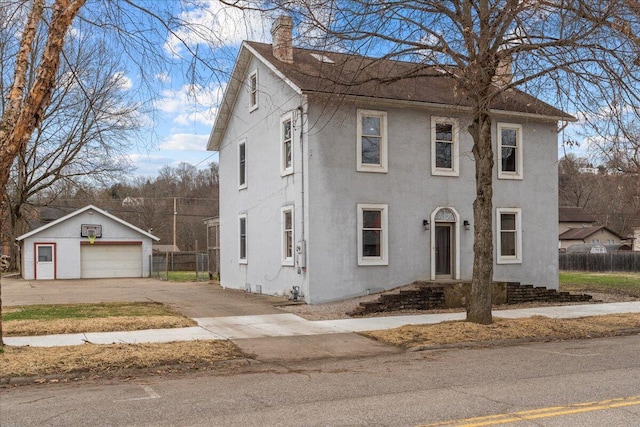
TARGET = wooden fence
x,y
613,261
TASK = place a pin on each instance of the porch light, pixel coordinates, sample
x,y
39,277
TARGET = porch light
x,y
425,224
466,225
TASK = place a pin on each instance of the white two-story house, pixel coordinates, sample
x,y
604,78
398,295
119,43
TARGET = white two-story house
x,y
340,190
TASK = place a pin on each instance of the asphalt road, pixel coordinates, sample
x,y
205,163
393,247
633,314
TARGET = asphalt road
x,y
574,383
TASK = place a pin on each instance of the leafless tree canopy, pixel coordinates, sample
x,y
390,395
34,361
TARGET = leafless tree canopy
x,y
571,53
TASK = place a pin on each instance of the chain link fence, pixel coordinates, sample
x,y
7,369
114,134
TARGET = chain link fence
x,y
163,263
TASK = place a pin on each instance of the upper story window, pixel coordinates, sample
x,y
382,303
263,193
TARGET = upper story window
x,y
242,239
373,234
286,145
509,245
444,147
509,151
242,164
287,235
253,90
372,141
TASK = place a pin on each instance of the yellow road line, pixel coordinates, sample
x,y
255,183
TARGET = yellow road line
x,y
554,411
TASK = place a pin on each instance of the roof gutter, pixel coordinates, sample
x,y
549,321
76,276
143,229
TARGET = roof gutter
x,y
447,107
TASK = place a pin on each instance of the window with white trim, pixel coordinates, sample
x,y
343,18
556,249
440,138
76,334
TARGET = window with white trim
x,y
445,156
373,234
509,235
287,235
509,151
286,145
242,164
242,239
253,90
372,141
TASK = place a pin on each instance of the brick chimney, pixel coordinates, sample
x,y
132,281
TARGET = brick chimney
x,y
281,34
504,72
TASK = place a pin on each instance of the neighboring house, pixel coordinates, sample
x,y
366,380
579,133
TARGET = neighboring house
x,y
573,217
87,243
339,190
593,235
636,239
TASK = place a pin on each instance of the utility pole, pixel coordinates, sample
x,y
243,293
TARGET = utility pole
x,y
175,216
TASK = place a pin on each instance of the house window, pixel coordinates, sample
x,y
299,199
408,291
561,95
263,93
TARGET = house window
x,y
286,138
372,234
242,165
253,90
287,235
444,147
242,239
509,151
509,245
372,141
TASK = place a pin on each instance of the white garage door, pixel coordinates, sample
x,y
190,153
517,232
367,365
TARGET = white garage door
x,y
110,261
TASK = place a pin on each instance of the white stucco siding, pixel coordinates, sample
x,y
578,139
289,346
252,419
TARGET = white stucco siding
x,y
412,193
537,195
266,193
67,240
409,190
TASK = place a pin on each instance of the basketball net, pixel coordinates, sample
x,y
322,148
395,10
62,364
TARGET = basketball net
x,y
92,237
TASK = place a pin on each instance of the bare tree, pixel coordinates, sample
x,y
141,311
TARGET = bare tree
x,y
559,49
136,29
83,134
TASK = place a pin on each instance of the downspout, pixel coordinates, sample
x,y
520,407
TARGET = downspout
x,y
302,193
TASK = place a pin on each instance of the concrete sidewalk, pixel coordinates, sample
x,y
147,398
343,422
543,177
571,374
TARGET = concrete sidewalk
x,y
290,325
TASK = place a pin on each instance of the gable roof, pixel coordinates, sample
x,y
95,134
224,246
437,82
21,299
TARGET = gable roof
x,y
78,212
321,72
574,214
584,232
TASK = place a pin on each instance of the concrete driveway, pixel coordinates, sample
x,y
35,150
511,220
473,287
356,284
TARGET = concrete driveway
x,y
193,299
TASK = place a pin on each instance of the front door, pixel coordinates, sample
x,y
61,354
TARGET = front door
x,y
443,248
45,261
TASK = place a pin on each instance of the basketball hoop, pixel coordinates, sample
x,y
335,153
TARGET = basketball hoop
x,y
91,235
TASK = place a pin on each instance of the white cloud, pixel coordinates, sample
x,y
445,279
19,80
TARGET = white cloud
x,y
191,104
215,24
163,77
123,82
185,142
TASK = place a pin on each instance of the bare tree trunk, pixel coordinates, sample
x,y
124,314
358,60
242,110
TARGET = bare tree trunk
x,y
25,111
479,310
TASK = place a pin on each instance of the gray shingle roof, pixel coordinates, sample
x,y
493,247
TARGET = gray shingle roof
x,y
574,214
386,79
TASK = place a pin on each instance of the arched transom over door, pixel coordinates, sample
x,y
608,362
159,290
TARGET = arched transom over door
x,y
444,244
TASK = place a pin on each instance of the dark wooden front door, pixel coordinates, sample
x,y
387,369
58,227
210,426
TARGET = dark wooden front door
x,y
443,249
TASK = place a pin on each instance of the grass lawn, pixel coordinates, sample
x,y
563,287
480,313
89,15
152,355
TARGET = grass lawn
x,y
113,359
85,311
621,283
100,317
185,276
534,328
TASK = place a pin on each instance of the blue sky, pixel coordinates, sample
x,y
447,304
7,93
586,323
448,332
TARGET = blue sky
x,y
184,112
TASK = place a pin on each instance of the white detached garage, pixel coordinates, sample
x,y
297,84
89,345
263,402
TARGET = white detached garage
x,y
87,243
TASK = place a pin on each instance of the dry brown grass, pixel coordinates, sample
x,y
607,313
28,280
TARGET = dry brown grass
x,y
17,328
97,359
536,327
